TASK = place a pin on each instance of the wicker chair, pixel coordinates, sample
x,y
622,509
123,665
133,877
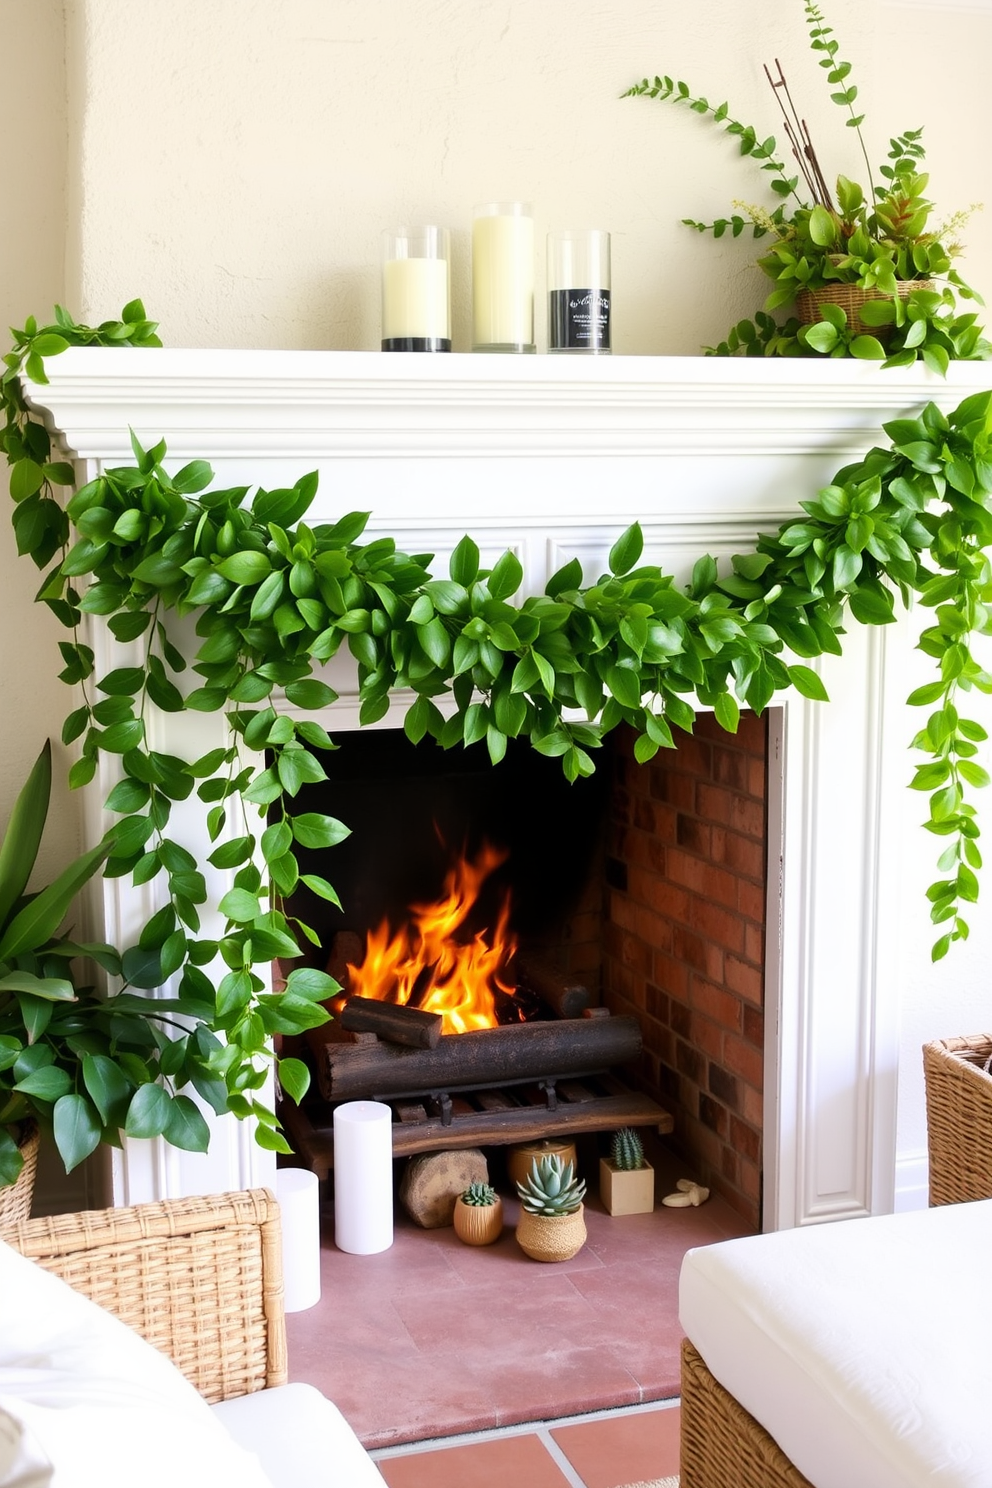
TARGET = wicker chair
x,y
200,1278
722,1445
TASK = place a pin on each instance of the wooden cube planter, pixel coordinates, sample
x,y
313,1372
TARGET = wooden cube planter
x,y
959,1118
626,1190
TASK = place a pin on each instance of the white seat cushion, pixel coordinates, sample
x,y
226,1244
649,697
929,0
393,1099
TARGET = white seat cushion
x,y
859,1346
300,1438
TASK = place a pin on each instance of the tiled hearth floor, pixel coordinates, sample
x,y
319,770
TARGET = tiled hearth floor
x,y
433,1338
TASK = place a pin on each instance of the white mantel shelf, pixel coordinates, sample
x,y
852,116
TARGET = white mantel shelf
x,y
552,457
326,403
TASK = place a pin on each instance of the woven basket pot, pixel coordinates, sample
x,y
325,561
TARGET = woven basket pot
x,y
15,1198
959,1118
851,298
551,1237
478,1224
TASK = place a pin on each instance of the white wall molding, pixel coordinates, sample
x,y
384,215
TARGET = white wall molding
x,y
555,457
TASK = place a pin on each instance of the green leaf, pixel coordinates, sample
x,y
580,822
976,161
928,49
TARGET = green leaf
x,y
149,1112
294,1077
24,831
311,829
310,694
727,711
107,1087
240,906
38,921
822,227
48,1083
246,567
76,1128
463,565
505,578
185,1127
627,549
808,683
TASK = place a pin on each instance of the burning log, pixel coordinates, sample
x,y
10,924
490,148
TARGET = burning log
x,y
489,1056
397,1023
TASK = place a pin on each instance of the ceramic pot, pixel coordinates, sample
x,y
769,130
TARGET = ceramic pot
x,y
551,1237
15,1198
478,1224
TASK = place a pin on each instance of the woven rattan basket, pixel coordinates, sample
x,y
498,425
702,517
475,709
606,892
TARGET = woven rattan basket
x,y
15,1198
852,299
959,1118
722,1446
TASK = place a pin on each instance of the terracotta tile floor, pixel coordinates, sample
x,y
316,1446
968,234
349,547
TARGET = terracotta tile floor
x,y
433,1339
602,1451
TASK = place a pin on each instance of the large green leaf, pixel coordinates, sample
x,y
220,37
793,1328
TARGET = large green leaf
x,y
77,1129
38,921
23,835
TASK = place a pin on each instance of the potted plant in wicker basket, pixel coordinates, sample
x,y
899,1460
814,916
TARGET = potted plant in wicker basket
x,y
958,1079
863,268
552,1224
626,1179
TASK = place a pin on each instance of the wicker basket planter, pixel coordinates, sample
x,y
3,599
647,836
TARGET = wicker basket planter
x,y
15,1198
851,298
551,1237
959,1118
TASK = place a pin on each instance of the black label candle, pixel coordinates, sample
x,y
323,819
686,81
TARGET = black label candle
x,y
579,291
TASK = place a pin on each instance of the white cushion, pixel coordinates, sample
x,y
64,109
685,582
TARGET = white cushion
x,y
301,1439
859,1346
85,1402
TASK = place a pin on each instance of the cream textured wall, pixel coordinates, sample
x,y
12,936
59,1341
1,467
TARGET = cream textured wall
x,y
32,247
235,162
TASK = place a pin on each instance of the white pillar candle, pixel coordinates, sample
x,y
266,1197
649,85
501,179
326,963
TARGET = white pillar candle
x,y
299,1207
503,277
416,289
363,1177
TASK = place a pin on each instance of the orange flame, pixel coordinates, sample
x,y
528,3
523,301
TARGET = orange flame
x,y
457,979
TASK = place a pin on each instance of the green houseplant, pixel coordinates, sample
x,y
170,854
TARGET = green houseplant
x,y
552,1223
86,1067
867,271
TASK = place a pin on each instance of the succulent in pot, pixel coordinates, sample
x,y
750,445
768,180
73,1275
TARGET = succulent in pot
x,y
626,1179
552,1224
478,1215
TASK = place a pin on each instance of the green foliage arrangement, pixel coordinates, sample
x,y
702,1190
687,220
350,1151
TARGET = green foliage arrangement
x,y
551,1187
479,1196
626,1150
877,236
274,597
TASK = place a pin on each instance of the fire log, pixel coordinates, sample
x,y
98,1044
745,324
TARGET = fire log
x,y
567,998
393,1021
487,1056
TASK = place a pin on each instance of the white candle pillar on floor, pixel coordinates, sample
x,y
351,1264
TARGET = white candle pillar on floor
x,y
298,1192
363,1177
503,277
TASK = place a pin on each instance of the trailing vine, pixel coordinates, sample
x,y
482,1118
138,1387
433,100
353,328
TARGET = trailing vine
x,y
275,597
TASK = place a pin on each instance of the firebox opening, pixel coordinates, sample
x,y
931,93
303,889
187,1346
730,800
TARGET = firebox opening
x,y
646,883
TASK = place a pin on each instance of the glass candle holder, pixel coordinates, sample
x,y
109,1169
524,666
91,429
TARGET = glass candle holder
x,y
503,277
416,289
579,292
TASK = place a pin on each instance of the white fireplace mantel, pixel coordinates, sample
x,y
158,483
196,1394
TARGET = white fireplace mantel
x,y
553,457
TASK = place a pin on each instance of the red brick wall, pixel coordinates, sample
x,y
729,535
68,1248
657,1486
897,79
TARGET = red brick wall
x,y
683,946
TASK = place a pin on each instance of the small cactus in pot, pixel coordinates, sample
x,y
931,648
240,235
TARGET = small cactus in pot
x,y
626,1179
478,1216
552,1225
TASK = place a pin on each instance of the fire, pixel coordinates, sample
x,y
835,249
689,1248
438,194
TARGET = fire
x,y
424,963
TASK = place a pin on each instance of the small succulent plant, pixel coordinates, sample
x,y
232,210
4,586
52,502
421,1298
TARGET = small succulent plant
x,y
551,1187
628,1150
479,1195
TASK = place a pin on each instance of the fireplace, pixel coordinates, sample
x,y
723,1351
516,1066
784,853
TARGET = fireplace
x,y
553,457
643,885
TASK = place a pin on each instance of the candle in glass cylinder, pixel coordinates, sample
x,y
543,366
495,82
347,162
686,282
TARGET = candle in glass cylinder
x,y
416,290
579,292
503,277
